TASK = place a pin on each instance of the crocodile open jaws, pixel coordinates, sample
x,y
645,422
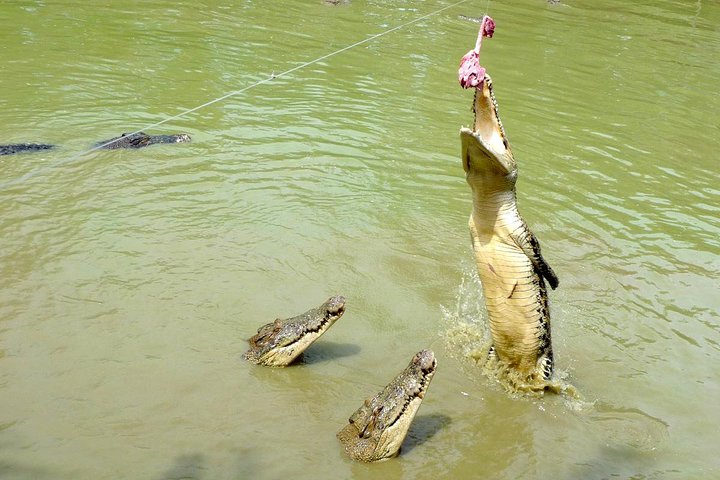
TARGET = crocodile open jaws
x,y
377,429
281,342
511,268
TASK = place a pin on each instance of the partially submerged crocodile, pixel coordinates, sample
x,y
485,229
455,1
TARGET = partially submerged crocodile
x,y
377,429
24,147
281,342
511,267
135,140
141,139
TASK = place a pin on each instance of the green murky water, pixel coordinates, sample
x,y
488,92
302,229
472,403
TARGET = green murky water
x,y
129,280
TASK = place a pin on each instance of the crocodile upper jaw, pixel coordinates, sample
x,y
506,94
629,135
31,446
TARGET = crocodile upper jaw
x,y
486,146
377,429
283,341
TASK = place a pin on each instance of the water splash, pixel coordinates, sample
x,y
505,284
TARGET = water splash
x,y
467,337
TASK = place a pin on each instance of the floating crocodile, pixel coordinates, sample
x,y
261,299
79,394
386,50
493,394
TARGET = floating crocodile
x,y
135,140
281,342
24,147
377,429
141,139
511,267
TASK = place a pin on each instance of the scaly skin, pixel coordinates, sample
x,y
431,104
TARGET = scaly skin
x,y
136,140
281,342
24,147
511,267
142,139
377,429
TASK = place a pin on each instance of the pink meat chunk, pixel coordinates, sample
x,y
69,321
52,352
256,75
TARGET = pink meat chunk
x,y
471,73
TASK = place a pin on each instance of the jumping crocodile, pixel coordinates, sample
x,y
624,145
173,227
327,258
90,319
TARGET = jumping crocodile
x,y
377,429
281,342
141,139
24,147
511,267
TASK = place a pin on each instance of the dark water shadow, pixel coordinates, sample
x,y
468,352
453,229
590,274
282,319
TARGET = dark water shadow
x,y
22,472
10,468
194,466
186,467
328,351
423,428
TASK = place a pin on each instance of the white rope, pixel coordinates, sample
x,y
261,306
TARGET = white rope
x,y
60,163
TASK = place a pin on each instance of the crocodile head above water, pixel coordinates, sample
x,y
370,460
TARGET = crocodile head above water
x,y
281,342
486,143
141,139
377,429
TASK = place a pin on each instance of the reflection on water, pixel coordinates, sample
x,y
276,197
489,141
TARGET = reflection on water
x,y
130,280
628,427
